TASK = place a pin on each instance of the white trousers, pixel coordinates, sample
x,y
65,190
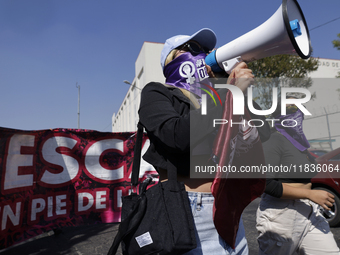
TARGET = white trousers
x,y
293,226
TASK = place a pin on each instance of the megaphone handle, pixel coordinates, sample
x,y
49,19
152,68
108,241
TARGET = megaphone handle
x,y
230,64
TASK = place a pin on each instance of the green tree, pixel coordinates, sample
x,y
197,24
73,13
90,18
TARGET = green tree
x,y
280,71
336,44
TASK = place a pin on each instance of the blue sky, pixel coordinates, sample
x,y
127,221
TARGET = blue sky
x,y
47,46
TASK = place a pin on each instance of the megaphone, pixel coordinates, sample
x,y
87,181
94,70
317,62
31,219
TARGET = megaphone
x,y
285,32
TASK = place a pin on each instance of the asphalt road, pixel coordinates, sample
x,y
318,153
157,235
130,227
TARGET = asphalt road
x,y
97,239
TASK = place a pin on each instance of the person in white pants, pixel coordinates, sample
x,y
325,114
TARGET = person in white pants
x,y
288,219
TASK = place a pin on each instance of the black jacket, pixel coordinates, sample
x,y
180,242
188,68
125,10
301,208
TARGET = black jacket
x,y
174,126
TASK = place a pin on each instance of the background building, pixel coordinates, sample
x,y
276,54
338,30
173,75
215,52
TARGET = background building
x,y
147,69
322,128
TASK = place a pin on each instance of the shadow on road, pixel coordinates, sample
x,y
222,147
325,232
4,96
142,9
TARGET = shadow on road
x,y
93,239
97,239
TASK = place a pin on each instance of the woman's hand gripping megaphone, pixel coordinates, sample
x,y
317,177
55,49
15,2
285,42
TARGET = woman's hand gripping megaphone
x,y
241,76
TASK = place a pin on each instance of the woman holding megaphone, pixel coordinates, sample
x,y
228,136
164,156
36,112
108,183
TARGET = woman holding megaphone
x,y
178,131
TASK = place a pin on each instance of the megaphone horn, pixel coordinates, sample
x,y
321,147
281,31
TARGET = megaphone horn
x,y
285,32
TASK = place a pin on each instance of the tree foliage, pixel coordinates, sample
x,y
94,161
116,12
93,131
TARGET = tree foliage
x,y
280,71
336,44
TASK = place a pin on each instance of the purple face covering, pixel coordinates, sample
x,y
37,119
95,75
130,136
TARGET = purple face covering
x,y
186,72
294,134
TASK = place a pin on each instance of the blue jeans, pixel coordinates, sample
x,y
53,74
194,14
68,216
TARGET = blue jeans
x,y
208,240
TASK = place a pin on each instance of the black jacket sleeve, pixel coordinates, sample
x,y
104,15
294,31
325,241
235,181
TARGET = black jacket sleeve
x,y
274,188
175,129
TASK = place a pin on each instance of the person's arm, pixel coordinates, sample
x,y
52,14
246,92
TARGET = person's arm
x,y
171,128
321,197
242,77
274,187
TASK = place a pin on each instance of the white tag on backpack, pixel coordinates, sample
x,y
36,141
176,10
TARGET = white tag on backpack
x,y
144,239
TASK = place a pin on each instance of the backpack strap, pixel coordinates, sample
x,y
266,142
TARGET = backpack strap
x,y
135,216
137,155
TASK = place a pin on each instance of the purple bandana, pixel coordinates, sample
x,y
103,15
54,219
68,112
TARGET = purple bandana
x,y
294,134
186,72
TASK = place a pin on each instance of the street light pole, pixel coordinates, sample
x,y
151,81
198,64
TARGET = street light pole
x,y
329,131
129,83
78,86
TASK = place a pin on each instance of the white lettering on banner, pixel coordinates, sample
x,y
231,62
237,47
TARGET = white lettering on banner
x,y
88,201
60,204
60,164
53,207
50,206
119,198
38,205
7,212
100,199
52,176
16,161
69,165
92,160
82,206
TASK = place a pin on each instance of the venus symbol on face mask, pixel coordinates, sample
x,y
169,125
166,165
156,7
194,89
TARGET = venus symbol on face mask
x,y
187,70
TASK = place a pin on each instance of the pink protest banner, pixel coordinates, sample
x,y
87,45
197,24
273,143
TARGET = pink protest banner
x,y
62,177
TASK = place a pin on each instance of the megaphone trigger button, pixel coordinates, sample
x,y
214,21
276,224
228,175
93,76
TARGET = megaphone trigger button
x,y
295,26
